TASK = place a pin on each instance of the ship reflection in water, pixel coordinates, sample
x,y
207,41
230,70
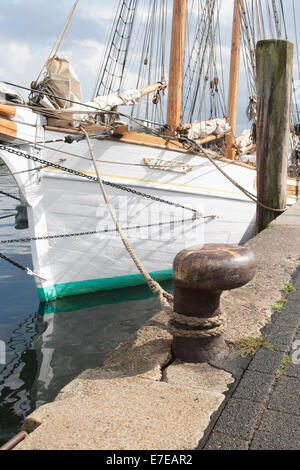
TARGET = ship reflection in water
x,y
77,333
52,347
45,350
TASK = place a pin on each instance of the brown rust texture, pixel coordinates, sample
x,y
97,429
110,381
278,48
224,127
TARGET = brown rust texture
x,y
214,267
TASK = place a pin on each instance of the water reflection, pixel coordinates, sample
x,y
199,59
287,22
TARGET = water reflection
x,y
47,348
50,348
79,332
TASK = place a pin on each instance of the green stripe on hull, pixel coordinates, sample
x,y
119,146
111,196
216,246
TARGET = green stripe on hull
x,y
95,299
58,291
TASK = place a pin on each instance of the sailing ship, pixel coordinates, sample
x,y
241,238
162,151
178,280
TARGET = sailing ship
x,y
171,180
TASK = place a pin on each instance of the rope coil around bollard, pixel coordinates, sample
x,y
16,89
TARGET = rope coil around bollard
x,y
193,327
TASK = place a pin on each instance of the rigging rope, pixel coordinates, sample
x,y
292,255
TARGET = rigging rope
x,y
199,149
112,69
59,40
247,193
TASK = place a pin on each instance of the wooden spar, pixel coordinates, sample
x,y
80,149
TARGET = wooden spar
x,y
151,88
176,64
259,21
7,110
8,130
233,79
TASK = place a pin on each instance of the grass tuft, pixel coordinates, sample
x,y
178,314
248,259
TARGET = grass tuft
x,y
284,361
249,346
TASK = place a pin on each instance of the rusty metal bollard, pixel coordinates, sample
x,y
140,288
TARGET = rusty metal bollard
x,y
200,275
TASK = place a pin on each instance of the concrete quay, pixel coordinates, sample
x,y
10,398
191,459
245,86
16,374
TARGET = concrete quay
x,y
141,399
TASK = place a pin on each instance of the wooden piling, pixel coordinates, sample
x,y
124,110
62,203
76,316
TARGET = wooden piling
x,y
274,60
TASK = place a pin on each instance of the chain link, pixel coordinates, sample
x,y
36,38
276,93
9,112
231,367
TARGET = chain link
x,y
10,195
94,179
96,232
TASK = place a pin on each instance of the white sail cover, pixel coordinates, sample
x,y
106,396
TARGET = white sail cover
x,y
244,140
203,129
60,81
7,94
106,103
101,104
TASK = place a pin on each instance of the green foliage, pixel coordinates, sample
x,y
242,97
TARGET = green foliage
x,y
284,361
249,346
279,305
288,288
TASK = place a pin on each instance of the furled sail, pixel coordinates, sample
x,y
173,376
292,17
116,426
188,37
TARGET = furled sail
x,y
200,130
60,81
7,94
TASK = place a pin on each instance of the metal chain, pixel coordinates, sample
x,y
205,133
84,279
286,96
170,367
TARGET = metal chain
x,y
7,216
92,178
14,263
10,195
53,237
96,232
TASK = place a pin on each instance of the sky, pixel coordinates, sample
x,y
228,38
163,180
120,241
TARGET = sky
x,y
29,28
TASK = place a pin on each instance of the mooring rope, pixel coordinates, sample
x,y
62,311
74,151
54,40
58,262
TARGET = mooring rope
x,y
164,297
180,138
203,327
195,327
247,193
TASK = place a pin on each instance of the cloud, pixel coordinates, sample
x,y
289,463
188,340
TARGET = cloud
x,y
99,13
29,29
15,56
226,13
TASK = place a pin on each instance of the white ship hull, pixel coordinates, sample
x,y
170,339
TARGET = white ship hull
x,y
61,203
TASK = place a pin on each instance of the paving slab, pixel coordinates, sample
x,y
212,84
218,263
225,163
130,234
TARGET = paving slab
x,y
292,370
266,361
287,319
126,405
290,217
219,441
238,419
140,400
286,396
254,386
234,364
273,384
125,414
145,353
280,337
198,376
280,424
270,441
250,307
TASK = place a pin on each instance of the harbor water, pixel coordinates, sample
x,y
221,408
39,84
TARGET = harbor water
x,y
45,346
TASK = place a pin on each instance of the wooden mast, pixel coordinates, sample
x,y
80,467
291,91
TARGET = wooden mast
x,y
233,79
176,64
